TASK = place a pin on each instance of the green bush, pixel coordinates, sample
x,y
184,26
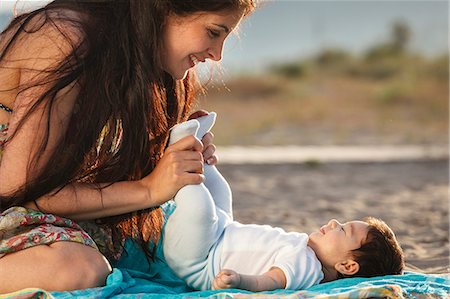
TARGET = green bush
x,y
332,57
289,70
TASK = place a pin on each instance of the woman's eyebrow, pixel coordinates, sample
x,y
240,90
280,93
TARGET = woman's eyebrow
x,y
225,28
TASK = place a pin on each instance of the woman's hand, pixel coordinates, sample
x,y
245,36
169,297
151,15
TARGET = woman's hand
x,y
181,165
208,147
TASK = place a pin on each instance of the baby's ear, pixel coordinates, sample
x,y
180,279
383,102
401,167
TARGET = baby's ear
x,y
348,267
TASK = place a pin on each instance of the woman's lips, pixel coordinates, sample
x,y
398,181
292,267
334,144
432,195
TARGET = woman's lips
x,y
194,61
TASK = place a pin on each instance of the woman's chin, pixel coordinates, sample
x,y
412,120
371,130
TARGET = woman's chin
x,y
179,76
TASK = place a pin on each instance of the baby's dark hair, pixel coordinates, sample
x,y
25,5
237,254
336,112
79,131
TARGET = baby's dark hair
x,y
381,253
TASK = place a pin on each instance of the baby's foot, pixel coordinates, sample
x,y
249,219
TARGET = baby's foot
x,y
226,279
182,130
206,123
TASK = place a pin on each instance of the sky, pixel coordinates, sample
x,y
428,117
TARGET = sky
x,y
282,30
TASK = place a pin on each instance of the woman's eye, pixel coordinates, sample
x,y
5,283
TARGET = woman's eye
x,y
213,33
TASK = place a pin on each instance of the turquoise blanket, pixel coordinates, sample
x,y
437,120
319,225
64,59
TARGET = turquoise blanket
x,y
133,277
133,284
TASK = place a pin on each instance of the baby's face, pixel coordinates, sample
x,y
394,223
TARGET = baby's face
x,y
333,242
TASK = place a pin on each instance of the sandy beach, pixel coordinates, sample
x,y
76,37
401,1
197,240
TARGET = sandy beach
x,y
411,196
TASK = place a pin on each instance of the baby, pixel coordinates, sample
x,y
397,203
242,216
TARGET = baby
x,y
207,249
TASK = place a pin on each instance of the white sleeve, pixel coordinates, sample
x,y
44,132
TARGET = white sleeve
x,y
301,267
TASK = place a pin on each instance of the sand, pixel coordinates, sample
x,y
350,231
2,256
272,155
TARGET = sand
x,y
411,196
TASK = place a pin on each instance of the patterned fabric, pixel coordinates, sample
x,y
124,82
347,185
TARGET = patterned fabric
x,y
387,292
125,284
22,228
3,136
3,129
117,137
31,293
7,109
103,239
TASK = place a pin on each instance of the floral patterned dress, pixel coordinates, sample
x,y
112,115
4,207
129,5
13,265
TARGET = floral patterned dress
x,y
22,228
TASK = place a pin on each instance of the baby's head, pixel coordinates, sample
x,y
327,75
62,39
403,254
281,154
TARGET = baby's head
x,y
357,248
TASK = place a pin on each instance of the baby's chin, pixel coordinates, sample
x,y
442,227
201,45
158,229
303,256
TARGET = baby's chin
x,y
315,233
311,241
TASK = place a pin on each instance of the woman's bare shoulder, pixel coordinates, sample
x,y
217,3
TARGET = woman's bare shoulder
x,y
47,38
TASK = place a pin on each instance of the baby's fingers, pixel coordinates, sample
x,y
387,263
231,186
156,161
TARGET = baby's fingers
x,y
215,285
218,284
227,279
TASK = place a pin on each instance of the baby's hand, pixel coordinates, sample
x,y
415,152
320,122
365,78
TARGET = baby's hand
x,y
226,279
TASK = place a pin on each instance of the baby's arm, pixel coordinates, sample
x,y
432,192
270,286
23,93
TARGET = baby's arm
x,y
271,280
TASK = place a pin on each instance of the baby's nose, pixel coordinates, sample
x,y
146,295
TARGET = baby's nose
x,y
333,223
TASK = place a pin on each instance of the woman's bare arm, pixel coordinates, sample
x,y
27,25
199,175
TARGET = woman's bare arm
x,y
39,51
181,165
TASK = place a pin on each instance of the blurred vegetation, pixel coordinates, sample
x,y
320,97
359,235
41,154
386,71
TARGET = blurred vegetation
x,y
386,95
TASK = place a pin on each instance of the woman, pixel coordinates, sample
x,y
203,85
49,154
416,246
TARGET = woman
x,y
88,92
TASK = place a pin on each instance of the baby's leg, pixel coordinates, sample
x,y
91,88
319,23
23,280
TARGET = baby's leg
x,y
214,181
220,189
193,228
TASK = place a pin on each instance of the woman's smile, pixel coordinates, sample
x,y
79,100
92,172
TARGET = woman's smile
x,y
186,35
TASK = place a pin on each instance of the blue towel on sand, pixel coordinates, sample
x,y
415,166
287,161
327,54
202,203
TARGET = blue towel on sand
x,y
123,283
136,280
133,277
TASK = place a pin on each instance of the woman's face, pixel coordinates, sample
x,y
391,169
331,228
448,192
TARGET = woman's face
x,y
189,40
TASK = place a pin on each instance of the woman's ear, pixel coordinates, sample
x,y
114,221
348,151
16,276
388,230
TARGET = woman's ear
x,y
347,267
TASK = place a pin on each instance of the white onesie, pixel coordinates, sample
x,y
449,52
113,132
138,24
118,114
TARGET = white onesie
x,y
201,238
254,249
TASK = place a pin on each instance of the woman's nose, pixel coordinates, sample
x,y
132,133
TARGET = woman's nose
x,y
215,53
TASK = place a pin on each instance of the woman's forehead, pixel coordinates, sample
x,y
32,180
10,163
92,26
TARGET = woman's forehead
x,y
229,18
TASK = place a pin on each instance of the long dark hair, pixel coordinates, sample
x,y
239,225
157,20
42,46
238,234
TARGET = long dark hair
x,y
116,61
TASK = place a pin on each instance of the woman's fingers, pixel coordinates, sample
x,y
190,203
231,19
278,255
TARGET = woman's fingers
x,y
193,179
192,167
181,165
209,149
208,155
186,156
186,143
198,114
207,139
213,160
